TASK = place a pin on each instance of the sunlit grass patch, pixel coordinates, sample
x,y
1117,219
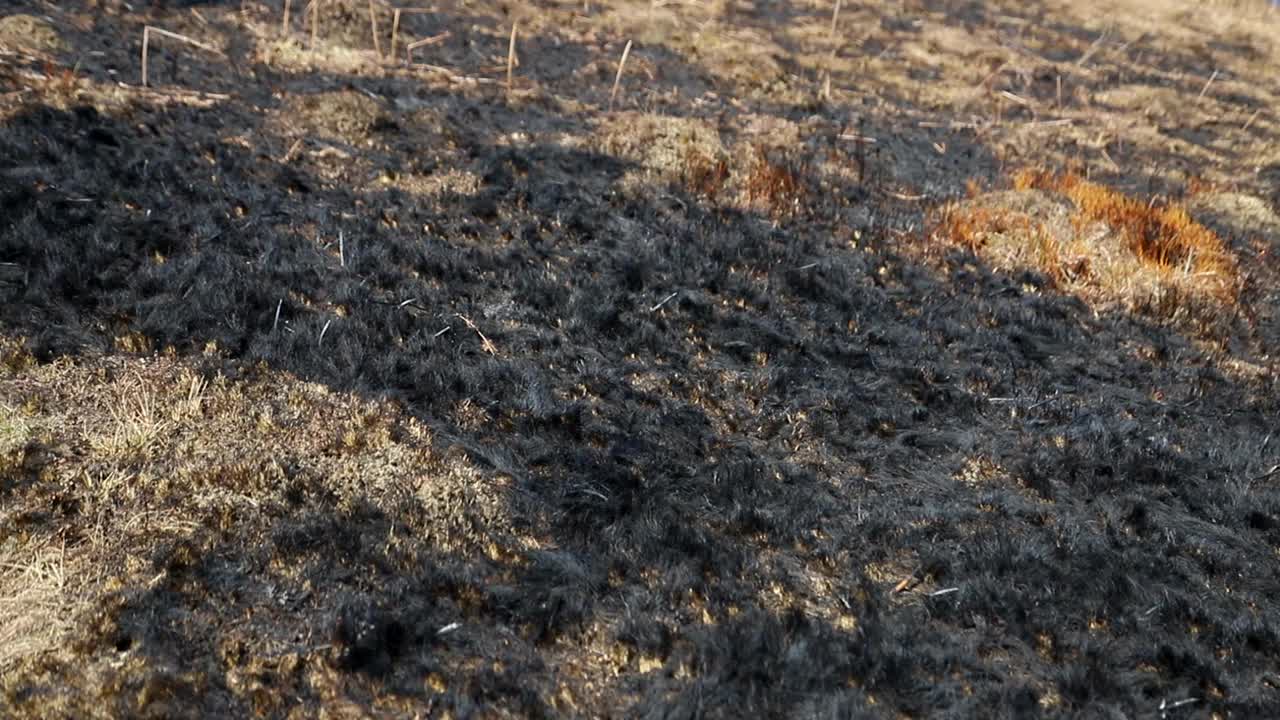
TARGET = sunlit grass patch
x,y
1098,242
1163,237
14,434
36,605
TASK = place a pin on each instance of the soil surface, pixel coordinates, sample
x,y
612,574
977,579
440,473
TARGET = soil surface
x,y
431,362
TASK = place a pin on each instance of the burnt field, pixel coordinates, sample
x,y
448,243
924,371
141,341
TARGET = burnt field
x,y
910,359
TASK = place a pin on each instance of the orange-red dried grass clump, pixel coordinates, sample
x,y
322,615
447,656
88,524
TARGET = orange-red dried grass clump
x,y
1163,235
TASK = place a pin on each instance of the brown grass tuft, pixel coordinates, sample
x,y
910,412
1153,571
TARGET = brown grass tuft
x,y
705,176
14,436
1090,239
39,600
14,355
1161,235
1197,185
969,227
61,82
776,185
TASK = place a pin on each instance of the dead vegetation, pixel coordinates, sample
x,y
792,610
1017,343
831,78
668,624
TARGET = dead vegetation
x,y
1104,244
776,183
705,176
40,599
1161,235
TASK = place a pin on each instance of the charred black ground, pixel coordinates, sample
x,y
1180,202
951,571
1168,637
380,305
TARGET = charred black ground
x,y
339,389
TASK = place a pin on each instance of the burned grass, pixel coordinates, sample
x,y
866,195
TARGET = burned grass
x,y
372,390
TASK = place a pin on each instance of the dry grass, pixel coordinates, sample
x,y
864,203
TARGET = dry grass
x,y
31,33
1098,242
37,606
971,227
617,79
137,422
290,54
776,185
44,584
144,468
511,56
14,435
1163,237
14,357
705,176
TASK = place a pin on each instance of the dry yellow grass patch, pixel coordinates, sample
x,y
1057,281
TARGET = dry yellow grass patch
x,y
137,422
1163,238
14,434
1097,242
39,600
30,33
293,54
